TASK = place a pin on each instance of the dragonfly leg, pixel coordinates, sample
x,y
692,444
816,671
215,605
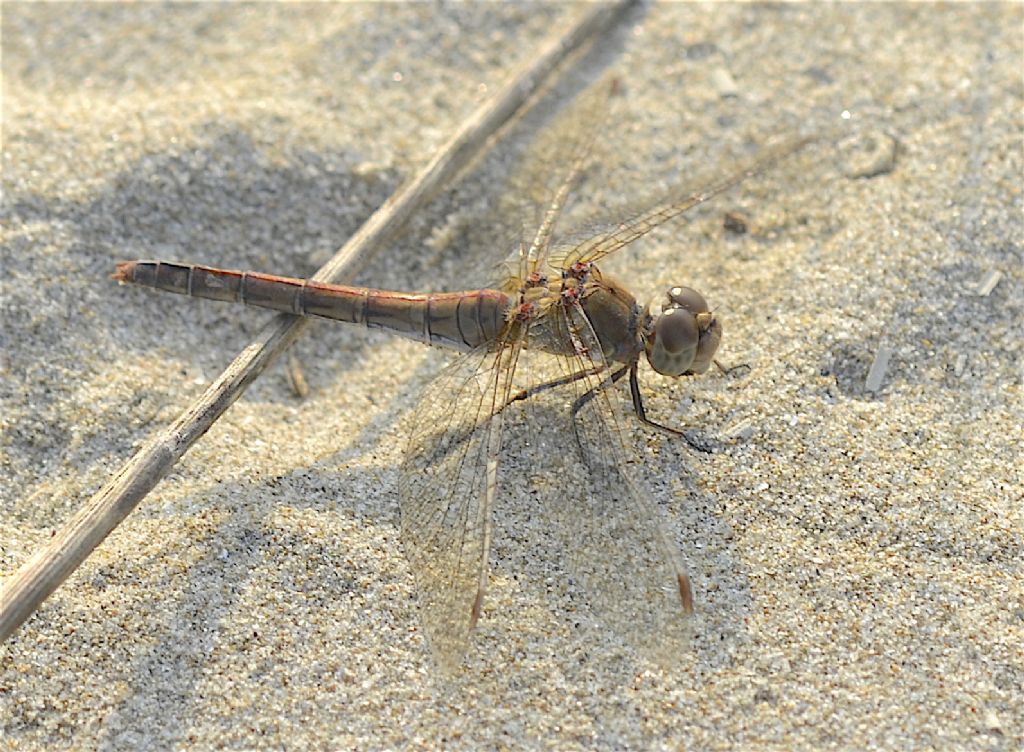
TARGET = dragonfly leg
x,y
641,414
730,370
588,395
296,378
523,394
638,405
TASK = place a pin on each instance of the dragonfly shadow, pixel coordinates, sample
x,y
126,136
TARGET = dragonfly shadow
x,y
227,203
292,581
284,584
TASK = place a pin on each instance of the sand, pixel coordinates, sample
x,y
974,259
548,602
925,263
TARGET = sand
x,y
856,553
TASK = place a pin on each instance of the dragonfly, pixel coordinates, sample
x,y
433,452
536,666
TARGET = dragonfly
x,y
542,352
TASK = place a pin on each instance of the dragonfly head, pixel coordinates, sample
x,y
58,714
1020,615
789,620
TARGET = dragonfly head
x,y
683,334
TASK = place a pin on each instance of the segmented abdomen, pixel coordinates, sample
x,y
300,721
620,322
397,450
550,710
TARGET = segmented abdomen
x,y
460,320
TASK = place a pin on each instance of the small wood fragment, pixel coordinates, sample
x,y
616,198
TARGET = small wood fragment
x,y
735,222
724,83
960,365
296,378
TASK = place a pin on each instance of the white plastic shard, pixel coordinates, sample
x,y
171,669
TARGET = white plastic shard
x,y
878,368
988,283
740,431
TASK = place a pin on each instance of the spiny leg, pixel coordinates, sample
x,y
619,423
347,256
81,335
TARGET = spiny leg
x,y
587,396
641,414
638,403
523,394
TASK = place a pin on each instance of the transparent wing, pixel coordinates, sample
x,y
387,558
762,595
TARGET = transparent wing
x,y
598,246
617,545
447,487
556,163
579,463
586,119
623,555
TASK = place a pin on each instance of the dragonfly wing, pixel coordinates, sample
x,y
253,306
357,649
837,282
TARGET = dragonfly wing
x,y
447,487
618,547
587,118
599,246
546,180
594,501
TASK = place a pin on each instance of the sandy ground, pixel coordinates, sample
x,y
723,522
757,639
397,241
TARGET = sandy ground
x,y
856,554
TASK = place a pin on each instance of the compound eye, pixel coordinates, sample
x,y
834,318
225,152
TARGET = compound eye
x,y
687,298
677,330
673,347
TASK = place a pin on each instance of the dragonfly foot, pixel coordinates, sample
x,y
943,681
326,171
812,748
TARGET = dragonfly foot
x,y
730,370
638,407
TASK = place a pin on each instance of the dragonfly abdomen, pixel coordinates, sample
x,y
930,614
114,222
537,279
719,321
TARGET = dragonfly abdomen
x,y
460,320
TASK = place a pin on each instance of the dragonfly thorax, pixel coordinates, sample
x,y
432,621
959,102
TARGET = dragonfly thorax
x,y
612,312
681,334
